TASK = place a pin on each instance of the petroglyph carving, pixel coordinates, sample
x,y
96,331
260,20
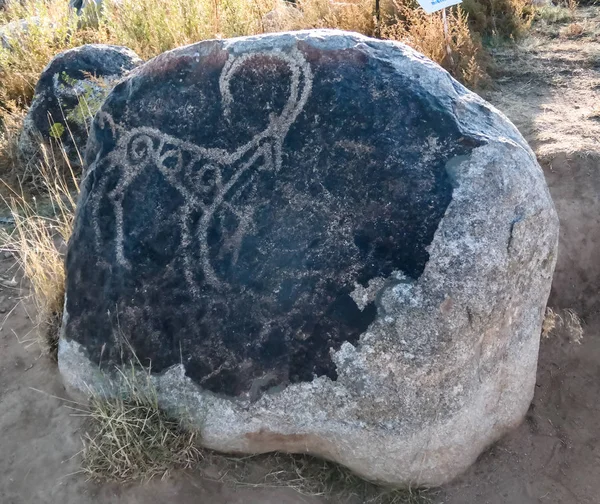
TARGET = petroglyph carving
x,y
206,178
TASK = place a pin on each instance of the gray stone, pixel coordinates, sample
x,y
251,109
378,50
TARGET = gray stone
x,y
322,243
11,32
70,90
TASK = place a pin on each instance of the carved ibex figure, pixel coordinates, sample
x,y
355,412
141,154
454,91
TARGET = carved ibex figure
x,y
208,178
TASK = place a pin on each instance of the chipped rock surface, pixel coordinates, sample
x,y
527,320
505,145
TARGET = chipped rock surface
x,y
322,243
70,90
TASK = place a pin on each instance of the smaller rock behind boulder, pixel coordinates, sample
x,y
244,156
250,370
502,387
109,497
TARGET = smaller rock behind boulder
x,y
70,90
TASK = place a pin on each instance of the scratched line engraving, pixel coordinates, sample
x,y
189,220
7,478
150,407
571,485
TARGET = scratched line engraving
x,y
143,147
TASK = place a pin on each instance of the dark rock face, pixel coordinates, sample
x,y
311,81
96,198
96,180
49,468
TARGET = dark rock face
x,y
70,90
235,235
233,201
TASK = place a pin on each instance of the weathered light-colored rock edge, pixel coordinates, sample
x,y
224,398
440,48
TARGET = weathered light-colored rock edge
x,y
449,364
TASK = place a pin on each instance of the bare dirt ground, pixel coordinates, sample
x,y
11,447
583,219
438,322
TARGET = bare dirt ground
x,y
549,86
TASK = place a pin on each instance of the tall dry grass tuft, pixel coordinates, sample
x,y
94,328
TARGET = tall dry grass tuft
x,y
150,27
554,14
351,15
131,438
507,19
41,231
569,324
460,52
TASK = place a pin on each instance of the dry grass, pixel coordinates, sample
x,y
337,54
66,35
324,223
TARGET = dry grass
x,y
36,241
573,30
460,52
574,326
308,476
549,324
509,19
572,5
150,27
353,15
569,324
554,14
131,438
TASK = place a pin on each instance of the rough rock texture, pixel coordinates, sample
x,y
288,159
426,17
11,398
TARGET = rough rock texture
x,y
69,92
321,242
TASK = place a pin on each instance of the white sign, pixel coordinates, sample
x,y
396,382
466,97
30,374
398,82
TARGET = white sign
x,y
431,6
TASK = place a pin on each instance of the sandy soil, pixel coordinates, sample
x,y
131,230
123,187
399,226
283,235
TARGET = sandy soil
x,y
549,86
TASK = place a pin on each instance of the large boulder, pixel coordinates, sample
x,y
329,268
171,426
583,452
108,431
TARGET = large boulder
x,y
321,243
70,90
